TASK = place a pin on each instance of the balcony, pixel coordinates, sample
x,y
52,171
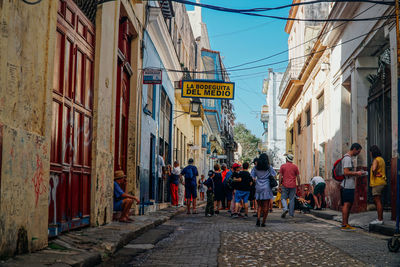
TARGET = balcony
x,y
290,81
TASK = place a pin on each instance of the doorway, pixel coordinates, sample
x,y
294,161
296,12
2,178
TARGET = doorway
x,y
379,119
71,132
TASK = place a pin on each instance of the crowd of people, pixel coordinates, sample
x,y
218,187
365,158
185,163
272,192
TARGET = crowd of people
x,y
237,189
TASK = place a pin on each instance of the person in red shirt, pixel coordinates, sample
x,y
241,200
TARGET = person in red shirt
x,y
288,175
225,170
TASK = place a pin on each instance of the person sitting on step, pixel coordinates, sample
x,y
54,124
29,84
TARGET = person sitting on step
x,y
122,201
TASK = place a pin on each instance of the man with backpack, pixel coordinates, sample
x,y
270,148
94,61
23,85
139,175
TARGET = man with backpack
x,y
190,172
348,184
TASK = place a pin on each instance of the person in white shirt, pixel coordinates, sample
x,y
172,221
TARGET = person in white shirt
x,y
349,184
318,187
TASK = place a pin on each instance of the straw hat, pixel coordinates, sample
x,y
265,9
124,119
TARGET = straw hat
x,y
119,174
289,157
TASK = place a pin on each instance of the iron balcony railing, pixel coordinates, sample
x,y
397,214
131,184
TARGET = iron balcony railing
x,y
292,73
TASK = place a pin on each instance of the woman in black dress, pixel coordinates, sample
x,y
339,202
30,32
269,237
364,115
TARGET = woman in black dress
x,y
219,192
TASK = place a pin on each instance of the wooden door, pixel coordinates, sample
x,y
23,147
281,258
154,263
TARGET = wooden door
x,y
124,73
71,136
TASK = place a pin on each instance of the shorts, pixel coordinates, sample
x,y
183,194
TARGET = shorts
x,y
190,191
347,195
228,194
118,205
319,189
239,195
377,190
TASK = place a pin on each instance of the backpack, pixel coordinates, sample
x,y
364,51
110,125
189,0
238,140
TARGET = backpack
x,y
229,183
337,170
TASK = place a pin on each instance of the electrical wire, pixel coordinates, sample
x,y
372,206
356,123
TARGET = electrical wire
x,y
285,60
310,40
249,12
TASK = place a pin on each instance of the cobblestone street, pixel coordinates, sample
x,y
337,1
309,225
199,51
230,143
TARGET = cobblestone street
x,y
196,240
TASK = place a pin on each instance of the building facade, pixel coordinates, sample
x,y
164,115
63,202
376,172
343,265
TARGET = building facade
x,y
72,117
273,118
345,80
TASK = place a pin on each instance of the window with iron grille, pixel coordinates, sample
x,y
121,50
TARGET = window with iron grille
x,y
204,141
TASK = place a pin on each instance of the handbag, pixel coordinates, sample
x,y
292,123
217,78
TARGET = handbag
x,y
272,181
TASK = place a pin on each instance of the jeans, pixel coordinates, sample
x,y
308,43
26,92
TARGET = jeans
x,y
288,193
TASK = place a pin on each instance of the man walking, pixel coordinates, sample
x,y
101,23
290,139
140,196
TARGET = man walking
x,y
288,175
349,184
318,186
190,172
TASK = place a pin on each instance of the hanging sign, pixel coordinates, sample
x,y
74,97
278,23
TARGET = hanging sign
x,y
152,76
208,89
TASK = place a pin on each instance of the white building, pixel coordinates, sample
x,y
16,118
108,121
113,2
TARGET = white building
x,y
273,118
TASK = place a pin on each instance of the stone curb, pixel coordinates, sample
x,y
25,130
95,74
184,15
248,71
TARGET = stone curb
x,y
385,229
91,246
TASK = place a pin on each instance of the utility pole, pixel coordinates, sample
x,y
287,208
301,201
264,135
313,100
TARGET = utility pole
x,y
398,117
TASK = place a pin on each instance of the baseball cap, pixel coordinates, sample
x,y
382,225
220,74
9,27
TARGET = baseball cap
x,y
235,165
210,173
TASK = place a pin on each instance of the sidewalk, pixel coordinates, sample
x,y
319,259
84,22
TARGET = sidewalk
x,y
361,220
90,246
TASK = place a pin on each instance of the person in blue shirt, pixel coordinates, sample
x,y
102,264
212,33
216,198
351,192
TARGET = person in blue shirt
x,y
122,201
190,172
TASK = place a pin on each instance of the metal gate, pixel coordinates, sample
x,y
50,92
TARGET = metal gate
x,y
379,119
71,136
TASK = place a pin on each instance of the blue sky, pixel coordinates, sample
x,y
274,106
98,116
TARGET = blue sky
x,y
241,39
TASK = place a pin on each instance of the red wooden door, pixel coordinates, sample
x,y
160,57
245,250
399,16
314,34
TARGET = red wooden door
x,y
71,136
124,73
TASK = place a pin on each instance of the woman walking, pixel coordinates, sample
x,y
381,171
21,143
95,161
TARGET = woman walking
x,y
262,172
377,181
219,192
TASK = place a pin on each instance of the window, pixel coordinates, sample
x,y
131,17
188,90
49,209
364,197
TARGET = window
x,y
165,126
211,103
321,104
150,94
204,141
308,116
299,126
291,137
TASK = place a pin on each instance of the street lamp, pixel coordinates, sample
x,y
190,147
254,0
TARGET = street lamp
x,y
195,106
214,153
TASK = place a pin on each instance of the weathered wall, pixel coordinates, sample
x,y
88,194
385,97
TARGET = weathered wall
x,y
104,113
26,59
135,13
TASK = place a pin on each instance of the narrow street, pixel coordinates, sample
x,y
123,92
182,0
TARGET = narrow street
x,y
196,240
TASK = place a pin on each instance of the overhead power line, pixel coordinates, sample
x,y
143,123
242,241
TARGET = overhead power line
x,y
310,40
282,61
250,12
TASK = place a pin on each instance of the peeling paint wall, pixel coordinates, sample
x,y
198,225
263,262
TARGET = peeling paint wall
x,y
26,61
104,113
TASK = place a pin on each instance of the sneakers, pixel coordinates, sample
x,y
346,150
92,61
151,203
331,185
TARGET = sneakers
x,y
258,223
284,213
245,216
347,228
235,215
263,225
376,221
209,215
